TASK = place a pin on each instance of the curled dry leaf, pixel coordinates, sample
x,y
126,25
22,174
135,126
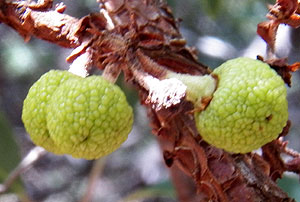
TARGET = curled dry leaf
x,y
281,66
283,12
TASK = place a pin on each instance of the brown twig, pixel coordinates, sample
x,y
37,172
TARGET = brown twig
x,y
34,155
96,171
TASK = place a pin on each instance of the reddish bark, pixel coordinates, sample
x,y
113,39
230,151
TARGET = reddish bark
x,y
141,38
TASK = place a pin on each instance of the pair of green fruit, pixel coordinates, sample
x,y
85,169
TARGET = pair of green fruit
x,y
90,117
83,117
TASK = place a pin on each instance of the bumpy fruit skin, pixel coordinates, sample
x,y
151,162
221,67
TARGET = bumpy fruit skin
x,y
83,117
248,109
35,105
89,118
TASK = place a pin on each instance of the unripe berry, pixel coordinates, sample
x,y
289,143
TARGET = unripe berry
x,y
89,117
248,109
84,117
35,106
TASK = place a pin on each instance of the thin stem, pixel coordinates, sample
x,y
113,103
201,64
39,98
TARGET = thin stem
x,y
34,154
94,175
111,72
81,65
270,52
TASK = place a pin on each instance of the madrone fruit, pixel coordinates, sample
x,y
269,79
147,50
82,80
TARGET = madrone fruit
x,y
248,107
83,117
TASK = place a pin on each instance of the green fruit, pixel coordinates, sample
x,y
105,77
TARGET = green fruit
x,y
248,109
89,118
84,117
35,105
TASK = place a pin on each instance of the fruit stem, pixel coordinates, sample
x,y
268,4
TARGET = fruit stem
x,y
81,65
161,93
199,90
111,72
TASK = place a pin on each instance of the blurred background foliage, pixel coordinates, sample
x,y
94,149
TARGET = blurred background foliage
x,y
219,29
